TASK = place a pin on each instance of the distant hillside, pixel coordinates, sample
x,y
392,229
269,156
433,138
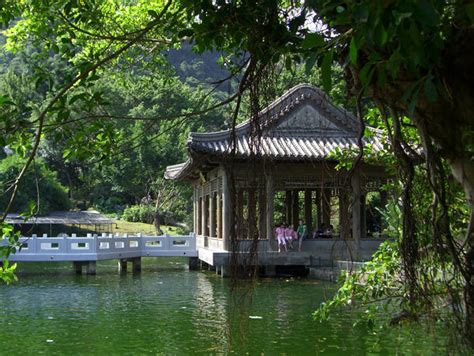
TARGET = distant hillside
x,y
198,69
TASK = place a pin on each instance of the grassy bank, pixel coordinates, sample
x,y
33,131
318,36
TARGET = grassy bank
x,y
126,227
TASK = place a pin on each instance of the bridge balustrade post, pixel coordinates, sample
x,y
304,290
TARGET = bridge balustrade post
x,y
64,245
192,241
167,242
33,244
94,245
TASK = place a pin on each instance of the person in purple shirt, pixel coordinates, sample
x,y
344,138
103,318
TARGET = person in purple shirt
x,y
280,235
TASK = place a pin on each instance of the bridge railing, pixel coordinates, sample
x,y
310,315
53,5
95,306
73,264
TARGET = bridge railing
x,y
106,246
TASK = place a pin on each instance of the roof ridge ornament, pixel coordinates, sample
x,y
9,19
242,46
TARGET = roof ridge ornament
x,y
284,105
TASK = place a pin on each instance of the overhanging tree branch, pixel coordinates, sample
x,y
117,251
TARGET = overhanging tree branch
x,y
62,92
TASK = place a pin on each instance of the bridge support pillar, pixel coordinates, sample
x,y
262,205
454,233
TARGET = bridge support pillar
x,y
136,264
77,267
270,270
122,265
224,271
91,268
193,263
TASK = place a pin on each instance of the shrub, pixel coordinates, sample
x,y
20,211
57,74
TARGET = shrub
x,y
109,205
139,213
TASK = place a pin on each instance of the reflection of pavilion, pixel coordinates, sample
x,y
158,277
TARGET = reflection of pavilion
x,y
282,170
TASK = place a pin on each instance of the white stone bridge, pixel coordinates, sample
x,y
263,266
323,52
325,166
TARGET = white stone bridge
x,y
86,251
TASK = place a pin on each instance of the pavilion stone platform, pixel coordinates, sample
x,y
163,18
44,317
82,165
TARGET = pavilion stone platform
x,y
282,167
335,254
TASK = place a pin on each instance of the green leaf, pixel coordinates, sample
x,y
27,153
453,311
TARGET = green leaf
x,y
153,13
310,63
288,63
414,100
470,12
186,33
7,229
400,16
312,40
381,76
4,100
361,12
326,71
353,51
77,97
67,153
366,73
381,36
430,90
427,13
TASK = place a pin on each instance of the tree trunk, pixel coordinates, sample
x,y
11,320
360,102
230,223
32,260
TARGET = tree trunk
x,y
463,171
156,220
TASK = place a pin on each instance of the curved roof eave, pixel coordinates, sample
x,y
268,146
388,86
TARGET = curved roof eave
x,y
280,107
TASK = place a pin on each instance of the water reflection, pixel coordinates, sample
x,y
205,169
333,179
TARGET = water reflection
x,y
172,310
211,314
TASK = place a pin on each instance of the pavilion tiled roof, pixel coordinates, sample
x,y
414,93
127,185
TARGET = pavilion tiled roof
x,y
302,124
283,147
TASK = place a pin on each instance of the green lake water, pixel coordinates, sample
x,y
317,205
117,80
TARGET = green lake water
x,y
169,309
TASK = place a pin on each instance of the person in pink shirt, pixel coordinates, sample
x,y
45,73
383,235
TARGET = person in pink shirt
x,y
290,235
280,235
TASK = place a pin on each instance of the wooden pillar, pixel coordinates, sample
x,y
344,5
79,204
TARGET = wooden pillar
x,y
262,208
326,206
308,210
319,211
203,215
356,214
252,214
239,229
270,192
207,229
212,215
226,211
195,210
199,215
296,208
219,214
344,220
288,206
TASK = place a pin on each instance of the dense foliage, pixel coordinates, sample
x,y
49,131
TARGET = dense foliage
x,y
39,187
